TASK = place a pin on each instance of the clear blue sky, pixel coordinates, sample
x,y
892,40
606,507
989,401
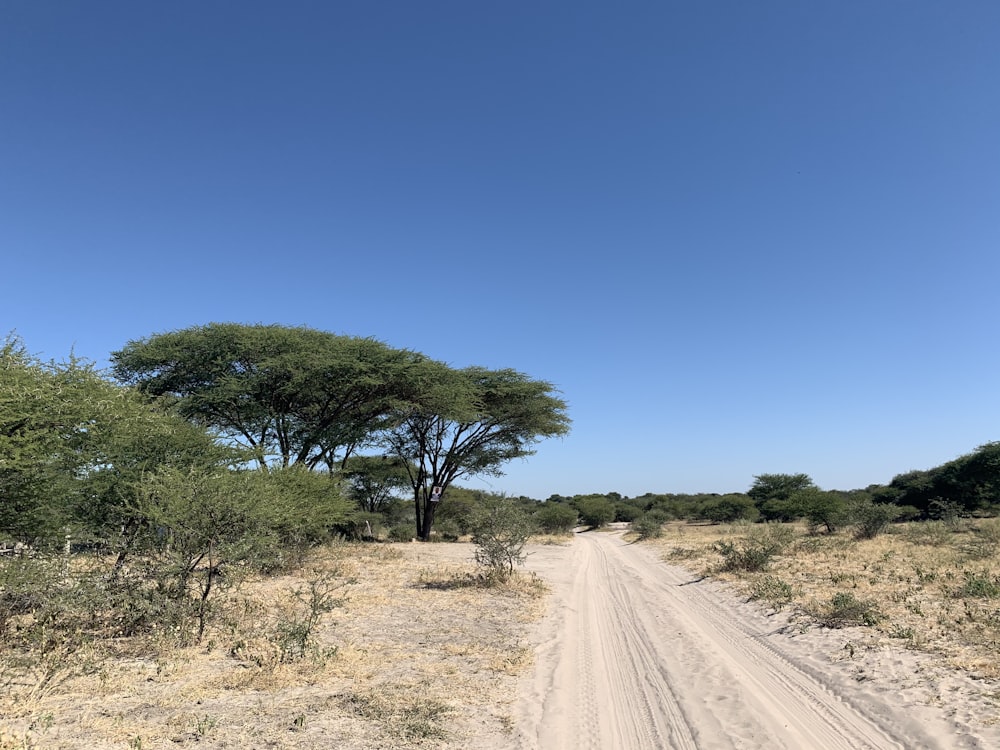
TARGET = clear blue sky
x,y
739,237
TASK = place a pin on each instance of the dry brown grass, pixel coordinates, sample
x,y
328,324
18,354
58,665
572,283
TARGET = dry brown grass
x,y
417,654
930,586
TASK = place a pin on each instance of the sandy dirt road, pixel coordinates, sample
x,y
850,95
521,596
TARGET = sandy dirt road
x,y
639,654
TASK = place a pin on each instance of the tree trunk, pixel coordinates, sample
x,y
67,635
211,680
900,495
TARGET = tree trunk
x,y
425,530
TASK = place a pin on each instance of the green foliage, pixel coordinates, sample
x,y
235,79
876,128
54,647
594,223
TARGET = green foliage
x,y
595,511
772,590
296,632
374,482
74,448
626,512
469,422
845,609
968,484
729,508
826,510
979,585
459,509
287,394
778,486
648,526
363,526
556,517
400,533
871,519
756,549
500,532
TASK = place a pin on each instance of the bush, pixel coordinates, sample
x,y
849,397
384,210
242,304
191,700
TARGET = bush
x,y
871,519
845,609
772,590
500,533
979,585
626,512
401,533
596,511
363,525
556,518
754,551
648,526
446,531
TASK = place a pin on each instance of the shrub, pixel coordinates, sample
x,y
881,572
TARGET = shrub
x,y
446,531
500,533
556,518
772,590
979,585
756,549
845,609
596,511
871,519
401,533
626,512
648,526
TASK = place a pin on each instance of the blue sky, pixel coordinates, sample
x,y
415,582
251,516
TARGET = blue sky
x,y
740,238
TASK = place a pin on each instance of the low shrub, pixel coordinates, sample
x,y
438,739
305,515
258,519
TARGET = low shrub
x,y
771,590
845,609
979,585
401,533
648,526
755,551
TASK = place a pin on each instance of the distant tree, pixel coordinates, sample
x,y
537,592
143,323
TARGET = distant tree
x,y
729,508
375,481
595,511
772,494
828,510
556,517
778,486
468,422
969,483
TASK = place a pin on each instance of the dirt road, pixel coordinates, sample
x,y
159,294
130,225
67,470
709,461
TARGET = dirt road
x,y
638,654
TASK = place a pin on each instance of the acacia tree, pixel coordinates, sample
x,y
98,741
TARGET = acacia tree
x,y
291,395
74,447
375,480
465,423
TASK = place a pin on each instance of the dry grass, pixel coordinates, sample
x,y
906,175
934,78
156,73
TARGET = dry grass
x,y
416,653
927,585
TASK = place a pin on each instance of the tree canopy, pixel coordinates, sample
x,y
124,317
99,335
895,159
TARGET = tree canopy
x,y
288,394
469,422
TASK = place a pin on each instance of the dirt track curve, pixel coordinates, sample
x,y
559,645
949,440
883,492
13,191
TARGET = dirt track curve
x,y
638,654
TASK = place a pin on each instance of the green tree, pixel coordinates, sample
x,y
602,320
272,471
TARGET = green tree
x,y
828,510
468,422
729,508
74,447
288,394
375,481
595,511
772,494
556,518
778,486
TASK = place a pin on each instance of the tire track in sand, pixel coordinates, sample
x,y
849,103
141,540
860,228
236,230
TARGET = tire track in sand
x,y
632,658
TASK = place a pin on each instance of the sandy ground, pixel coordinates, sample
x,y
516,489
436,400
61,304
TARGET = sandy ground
x,y
623,652
639,654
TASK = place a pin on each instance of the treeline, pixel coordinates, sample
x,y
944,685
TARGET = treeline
x,y
966,486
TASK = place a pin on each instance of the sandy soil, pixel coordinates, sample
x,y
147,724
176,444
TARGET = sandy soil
x,y
622,652
639,654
